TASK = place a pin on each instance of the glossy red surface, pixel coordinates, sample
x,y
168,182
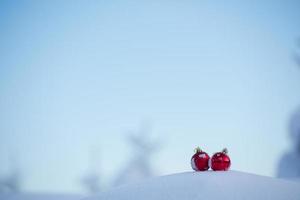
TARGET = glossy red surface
x,y
199,161
220,162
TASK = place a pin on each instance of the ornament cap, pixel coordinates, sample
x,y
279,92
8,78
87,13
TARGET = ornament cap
x,y
225,150
198,150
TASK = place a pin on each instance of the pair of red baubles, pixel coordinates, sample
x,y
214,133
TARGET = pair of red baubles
x,y
201,161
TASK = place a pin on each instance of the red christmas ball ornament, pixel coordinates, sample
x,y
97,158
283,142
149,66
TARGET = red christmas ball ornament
x,y
220,161
200,160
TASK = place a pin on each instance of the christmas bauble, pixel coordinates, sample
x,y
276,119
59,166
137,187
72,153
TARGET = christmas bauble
x,y
200,160
220,161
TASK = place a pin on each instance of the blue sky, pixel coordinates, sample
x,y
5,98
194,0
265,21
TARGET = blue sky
x,y
79,75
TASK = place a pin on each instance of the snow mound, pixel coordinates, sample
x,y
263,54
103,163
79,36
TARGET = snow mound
x,y
228,185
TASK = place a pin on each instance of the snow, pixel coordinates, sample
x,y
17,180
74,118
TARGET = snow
x,y
228,185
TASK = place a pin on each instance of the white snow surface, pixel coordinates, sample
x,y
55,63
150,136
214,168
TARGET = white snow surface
x,y
228,185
